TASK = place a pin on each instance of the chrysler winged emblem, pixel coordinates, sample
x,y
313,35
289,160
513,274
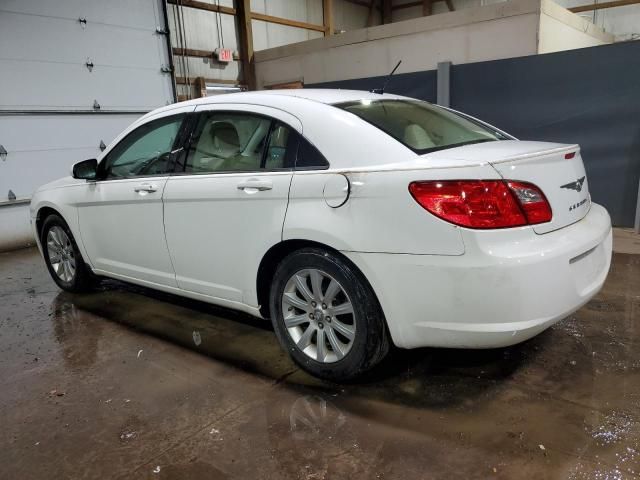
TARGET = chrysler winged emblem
x,y
577,185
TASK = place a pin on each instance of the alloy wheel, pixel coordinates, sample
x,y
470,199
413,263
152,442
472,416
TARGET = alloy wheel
x,y
318,315
61,255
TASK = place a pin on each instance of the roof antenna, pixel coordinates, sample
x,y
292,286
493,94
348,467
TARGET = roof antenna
x,y
381,90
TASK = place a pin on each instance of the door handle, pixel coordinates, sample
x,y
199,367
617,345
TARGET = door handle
x,y
146,188
256,185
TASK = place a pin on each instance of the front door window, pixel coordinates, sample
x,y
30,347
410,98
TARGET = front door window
x,y
145,151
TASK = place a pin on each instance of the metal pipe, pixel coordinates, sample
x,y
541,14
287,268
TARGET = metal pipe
x,y
443,84
17,201
73,112
169,50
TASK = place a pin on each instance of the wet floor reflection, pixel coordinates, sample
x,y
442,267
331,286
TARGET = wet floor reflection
x,y
563,405
431,378
71,330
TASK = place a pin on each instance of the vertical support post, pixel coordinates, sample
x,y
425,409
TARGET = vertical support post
x,y
243,16
426,8
165,17
201,87
327,14
386,11
443,94
636,225
371,15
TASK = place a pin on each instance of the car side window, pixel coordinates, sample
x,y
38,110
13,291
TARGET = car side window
x,y
228,142
309,157
283,145
145,151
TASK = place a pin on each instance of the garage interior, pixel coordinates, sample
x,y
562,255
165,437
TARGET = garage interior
x,y
126,382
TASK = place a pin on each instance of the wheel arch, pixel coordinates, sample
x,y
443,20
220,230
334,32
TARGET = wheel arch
x,y
277,253
47,209
42,214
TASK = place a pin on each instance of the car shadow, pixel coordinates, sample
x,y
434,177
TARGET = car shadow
x,y
423,378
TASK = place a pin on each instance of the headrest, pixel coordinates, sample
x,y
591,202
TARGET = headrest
x,y
224,134
417,137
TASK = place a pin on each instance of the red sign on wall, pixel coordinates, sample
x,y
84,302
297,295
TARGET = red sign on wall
x,y
224,55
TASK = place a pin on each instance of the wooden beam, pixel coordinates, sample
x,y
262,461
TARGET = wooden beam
x,y
255,15
422,3
362,3
245,33
327,16
407,5
192,80
386,11
285,21
192,52
203,6
370,16
599,6
286,85
201,87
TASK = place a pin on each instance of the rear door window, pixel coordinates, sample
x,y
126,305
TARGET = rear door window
x,y
309,157
228,142
283,144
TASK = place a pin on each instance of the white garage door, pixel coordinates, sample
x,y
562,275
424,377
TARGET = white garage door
x,y
74,73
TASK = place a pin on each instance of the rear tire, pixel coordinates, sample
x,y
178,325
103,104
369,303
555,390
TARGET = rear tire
x,y
326,315
63,258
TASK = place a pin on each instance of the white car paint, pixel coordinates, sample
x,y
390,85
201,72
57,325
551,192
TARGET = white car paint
x,y
139,249
236,233
202,237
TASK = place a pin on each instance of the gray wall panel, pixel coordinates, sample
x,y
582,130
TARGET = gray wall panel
x,y
420,85
43,52
589,96
44,147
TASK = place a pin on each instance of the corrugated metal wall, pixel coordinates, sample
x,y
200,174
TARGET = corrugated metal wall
x,y
44,49
203,30
74,73
200,32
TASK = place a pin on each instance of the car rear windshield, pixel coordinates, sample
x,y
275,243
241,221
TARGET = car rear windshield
x,y
420,126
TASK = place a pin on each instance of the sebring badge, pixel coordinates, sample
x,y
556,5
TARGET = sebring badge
x,y
577,185
578,205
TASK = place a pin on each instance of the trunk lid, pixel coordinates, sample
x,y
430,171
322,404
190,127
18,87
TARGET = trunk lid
x,y
562,180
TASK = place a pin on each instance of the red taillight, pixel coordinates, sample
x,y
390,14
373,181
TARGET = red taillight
x,y
532,201
483,203
569,156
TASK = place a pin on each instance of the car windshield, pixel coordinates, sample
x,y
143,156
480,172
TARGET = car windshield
x,y
420,126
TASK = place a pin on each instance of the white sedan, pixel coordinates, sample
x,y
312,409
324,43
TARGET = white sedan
x,y
352,220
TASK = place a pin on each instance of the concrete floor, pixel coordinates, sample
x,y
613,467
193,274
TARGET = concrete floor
x,y
127,383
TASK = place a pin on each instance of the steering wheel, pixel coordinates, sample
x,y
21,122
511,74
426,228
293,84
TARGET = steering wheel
x,y
146,167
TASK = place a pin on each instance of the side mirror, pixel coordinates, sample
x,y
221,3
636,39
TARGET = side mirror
x,y
85,170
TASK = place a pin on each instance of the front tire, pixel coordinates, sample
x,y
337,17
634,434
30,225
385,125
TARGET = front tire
x,y
326,315
63,258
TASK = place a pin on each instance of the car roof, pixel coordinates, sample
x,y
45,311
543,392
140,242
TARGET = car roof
x,y
329,95
335,131
326,96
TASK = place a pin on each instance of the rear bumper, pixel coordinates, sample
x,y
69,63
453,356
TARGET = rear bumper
x,y
508,286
